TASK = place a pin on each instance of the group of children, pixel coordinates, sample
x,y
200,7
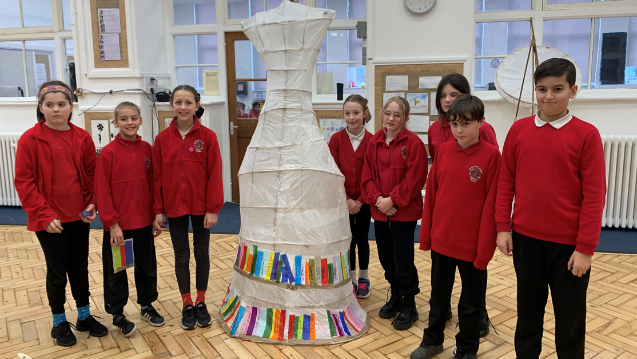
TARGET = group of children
x,y
62,183
551,163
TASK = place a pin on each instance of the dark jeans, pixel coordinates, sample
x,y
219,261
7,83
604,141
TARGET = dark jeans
x,y
116,284
181,246
540,265
443,271
66,253
359,224
396,254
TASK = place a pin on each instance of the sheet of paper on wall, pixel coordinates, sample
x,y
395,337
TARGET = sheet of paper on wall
x,y
109,21
418,102
100,132
418,123
424,138
397,83
330,126
114,130
167,121
388,95
211,82
429,82
40,74
434,109
109,47
325,83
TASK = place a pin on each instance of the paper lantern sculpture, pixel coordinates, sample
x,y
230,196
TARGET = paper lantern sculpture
x,y
290,283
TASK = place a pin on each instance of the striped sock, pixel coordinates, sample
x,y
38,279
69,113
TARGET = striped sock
x,y
58,318
83,312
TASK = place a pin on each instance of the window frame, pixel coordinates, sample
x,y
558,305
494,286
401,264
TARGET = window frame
x,y
56,32
541,11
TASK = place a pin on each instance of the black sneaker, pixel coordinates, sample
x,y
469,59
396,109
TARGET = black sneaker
x,y
408,314
90,324
63,335
392,307
188,320
203,317
484,324
426,351
152,317
460,354
125,326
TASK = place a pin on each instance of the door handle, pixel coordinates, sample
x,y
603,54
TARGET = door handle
x,y
232,127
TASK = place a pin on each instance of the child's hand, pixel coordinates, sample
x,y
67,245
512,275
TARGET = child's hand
x,y
392,211
117,236
89,219
159,225
210,220
384,204
505,243
579,263
55,226
353,206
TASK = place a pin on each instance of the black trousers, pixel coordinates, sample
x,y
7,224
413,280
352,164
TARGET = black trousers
x,y
116,284
66,253
540,265
396,254
181,246
443,271
359,224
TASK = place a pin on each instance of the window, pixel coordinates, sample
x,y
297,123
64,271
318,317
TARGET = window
x,y
345,9
194,12
245,9
595,33
26,64
340,61
193,55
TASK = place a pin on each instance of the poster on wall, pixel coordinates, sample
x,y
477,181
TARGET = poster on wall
x,y
429,82
330,126
211,82
388,95
114,130
100,132
418,123
418,102
167,121
434,109
397,83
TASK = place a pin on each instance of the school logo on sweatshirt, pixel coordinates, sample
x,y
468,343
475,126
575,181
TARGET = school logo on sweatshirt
x,y
199,145
147,161
475,172
403,151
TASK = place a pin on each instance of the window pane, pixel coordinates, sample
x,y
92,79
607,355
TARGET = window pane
x,y
248,63
345,9
10,14
37,13
501,38
70,56
549,2
341,45
351,75
194,12
572,37
12,82
196,49
243,9
271,4
501,5
40,57
615,53
66,14
192,76
250,98
485,73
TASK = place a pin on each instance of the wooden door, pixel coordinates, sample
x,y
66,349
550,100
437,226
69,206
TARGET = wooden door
x,y
242,126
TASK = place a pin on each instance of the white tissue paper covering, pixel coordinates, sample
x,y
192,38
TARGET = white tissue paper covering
x,y
290,282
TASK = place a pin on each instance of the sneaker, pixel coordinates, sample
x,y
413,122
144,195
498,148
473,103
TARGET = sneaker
x,y
449,315
63,335
203,317
426,351
125,326
364,288
90,324
408,314
460,354
392,307
484,324
188,320
152,317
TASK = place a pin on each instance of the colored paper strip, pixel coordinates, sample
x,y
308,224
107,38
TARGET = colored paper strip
x,y
306,327
130,259
343,323
237,320
313,326
117,257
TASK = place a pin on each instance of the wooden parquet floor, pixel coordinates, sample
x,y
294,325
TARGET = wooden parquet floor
x,y
25,319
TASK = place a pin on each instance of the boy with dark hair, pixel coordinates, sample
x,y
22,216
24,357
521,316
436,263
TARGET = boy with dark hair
x,y
553,164
458,226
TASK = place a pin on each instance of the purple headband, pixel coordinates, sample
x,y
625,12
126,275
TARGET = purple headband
x,y
54,88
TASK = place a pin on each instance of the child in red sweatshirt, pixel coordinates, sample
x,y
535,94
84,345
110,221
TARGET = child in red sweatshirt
x,y
458,226
553,164
123,198
188,188
348,148
393,176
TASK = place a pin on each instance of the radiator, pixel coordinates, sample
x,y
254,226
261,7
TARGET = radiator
x,y
8,146
620,155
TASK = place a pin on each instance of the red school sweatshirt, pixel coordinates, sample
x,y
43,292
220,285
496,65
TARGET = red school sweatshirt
x,y
440,132
33,173
458,218
187,177
123,181
558,179
349,162
408,173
